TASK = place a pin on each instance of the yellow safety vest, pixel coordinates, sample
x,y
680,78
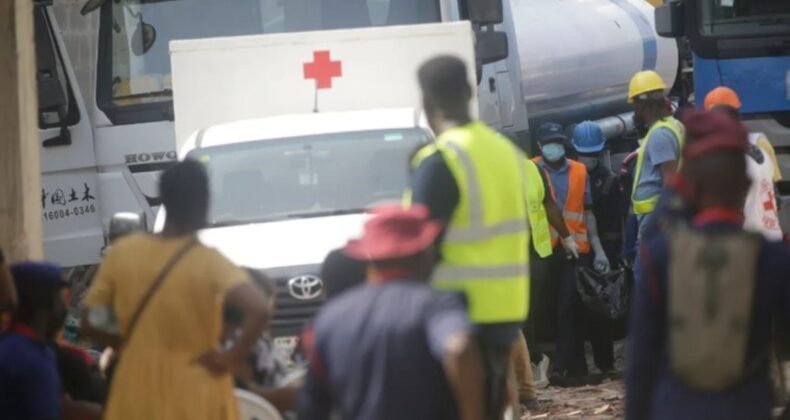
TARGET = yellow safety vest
x,y
538,222
485,251
647,205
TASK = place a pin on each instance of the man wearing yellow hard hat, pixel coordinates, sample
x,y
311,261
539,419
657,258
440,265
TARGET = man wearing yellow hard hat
x,y
659,150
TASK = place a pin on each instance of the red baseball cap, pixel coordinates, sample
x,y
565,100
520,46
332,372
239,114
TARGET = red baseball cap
x,y
395,232
712,131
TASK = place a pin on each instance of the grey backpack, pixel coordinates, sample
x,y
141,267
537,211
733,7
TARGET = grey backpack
x,y
710,295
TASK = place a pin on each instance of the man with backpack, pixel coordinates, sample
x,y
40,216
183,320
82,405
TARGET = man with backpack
x,y
704,302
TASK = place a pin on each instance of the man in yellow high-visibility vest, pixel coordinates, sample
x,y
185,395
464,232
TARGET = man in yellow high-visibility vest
x,y
472,179
659,152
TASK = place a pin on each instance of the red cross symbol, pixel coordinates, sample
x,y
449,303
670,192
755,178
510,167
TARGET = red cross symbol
x,y
323,69
770,204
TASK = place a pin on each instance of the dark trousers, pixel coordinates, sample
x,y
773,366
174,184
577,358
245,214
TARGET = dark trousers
x,y
496,360
543,278
570,322
575,322
496,341
600,331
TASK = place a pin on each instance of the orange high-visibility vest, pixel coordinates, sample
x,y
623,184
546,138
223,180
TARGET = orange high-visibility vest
x,y
573,212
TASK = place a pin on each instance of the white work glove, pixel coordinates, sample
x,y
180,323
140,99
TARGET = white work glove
x,y
601,263
571,247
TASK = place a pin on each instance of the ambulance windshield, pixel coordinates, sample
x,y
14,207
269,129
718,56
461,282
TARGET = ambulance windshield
x,y
312,176
134,63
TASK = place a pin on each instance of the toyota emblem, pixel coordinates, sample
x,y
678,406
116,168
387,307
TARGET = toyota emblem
x,y
306,287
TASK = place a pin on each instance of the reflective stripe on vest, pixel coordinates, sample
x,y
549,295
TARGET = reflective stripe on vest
x,y
539,223
647,205
573,211
485,248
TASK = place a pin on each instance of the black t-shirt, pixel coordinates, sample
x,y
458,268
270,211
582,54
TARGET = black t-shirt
x,y
608,197
81,381
434,186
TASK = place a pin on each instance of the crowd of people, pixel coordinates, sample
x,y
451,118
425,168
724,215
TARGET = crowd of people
x,y
426,311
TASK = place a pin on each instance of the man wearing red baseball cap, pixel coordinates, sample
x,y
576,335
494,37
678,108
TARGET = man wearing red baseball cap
x,y
700,327
394,348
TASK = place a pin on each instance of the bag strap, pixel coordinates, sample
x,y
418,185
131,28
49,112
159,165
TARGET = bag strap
x,y
155,286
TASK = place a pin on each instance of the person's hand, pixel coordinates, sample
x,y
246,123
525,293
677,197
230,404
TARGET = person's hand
x,y
601,263
216,362
571,247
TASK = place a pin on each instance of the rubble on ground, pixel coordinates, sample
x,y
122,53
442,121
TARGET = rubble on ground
x,y
599,402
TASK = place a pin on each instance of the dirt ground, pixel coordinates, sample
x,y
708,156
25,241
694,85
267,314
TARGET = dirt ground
x,y
605,401
599,402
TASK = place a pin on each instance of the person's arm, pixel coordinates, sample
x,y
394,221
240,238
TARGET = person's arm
x,y
643,343
100,298
247,298
464,370
664,150
553,212
81,410
314,401
601,262
7,289
451,342
668,170
96,335
556,220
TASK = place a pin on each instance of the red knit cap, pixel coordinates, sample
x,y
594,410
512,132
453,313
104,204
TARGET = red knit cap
x,y
712,131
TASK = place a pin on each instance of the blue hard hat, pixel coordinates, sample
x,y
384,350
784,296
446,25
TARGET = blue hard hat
x,y
551,132
588,138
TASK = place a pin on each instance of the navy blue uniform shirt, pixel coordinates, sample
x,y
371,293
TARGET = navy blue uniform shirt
x,y
376,354
652,390
29,383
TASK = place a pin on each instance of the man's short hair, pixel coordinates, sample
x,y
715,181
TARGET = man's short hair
x,y
444,80
184,191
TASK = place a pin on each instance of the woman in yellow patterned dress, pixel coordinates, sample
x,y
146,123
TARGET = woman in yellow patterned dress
x,y
170,366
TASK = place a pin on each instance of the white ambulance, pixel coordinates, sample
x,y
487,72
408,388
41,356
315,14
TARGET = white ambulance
x,y
337,121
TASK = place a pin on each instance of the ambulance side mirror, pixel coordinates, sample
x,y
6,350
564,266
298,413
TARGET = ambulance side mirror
x,y
485,12
669,20
490,46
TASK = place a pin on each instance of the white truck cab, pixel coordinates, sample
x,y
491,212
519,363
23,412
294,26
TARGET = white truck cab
x,y
287,190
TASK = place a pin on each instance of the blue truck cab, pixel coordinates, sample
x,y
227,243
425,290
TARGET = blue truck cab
x,y
744,45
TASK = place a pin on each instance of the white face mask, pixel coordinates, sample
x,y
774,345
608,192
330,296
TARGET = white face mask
x,y
553,152
589,161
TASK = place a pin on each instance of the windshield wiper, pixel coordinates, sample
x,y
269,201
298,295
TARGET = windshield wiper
x,y
324,213
153,94
238,222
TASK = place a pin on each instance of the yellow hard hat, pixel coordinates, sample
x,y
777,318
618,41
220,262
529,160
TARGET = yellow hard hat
x,y
644,82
